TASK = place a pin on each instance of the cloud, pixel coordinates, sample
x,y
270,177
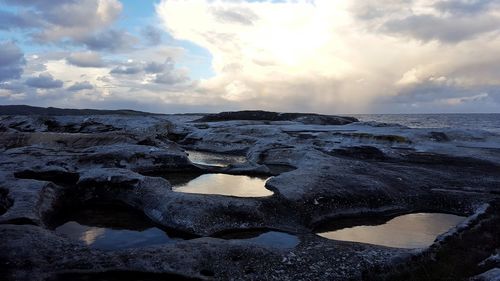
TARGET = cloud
x,y
160,73
44,81
79,86
338,56
152,35
83,21
426,20
243,16
86,59
109,40
170,78
430,27
154,67
293,55
11,61
465,7
126,70
9,21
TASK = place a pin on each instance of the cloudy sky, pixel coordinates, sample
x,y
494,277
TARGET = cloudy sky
x,y
328,56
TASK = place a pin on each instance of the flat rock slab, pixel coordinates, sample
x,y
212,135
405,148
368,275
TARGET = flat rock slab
x,y
323,169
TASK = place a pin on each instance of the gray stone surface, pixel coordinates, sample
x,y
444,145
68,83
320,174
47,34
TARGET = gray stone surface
x,y
322,172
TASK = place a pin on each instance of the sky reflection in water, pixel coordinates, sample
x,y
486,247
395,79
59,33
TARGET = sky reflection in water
x,y
407,231
112,239
222,184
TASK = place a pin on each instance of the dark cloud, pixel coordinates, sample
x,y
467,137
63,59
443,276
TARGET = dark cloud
x,y
154,67
368,10
464,7
38,3
448,21
133,68
162,73
11,61
126,70
10,20
86,59
110,40
44,81
78,86
170,78
152,35
82,21
430,27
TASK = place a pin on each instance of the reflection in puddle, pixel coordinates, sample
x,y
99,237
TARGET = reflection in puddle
x,y
214,159
275,239
407,231
111,228
222,184
112,239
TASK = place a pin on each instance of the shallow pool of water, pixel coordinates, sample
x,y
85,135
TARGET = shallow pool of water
x,y
214,159
112,228
408,231
222,184
274,239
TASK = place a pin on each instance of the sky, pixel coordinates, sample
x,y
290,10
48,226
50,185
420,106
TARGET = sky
x,y
325,56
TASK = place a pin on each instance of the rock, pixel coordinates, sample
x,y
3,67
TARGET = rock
x,y
305,118
361,152
490,275
324,169
439,136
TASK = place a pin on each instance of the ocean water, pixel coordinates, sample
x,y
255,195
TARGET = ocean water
x,y
488,121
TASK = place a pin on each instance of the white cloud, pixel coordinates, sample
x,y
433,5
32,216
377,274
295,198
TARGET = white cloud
x,y
328,56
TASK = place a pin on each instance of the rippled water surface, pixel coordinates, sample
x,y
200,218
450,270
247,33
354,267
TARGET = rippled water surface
x,y
407,231
488,122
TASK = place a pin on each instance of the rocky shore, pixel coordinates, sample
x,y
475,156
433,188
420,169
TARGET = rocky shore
x,y
322,169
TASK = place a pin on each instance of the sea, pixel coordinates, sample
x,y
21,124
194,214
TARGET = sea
x,y
483,121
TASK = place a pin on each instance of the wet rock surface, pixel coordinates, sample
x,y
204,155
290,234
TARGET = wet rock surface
x,y
324,169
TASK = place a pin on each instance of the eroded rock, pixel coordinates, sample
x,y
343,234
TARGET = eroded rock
x,y
324,168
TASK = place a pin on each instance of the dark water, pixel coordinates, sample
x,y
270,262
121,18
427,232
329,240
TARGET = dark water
x,y
222,184
214,159
112,228
112,239
407,231
488,122
274,239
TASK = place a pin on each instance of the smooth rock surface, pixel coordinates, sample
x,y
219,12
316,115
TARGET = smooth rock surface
x,y
322,172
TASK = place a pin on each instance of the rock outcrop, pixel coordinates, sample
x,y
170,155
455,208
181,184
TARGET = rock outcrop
x,y
324,168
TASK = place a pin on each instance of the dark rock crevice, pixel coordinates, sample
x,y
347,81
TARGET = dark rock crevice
x,y
5,201
55,176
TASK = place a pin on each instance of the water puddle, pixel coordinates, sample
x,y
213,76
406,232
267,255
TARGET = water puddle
x,y
112,228
274,239
408,231
221,184
214,159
